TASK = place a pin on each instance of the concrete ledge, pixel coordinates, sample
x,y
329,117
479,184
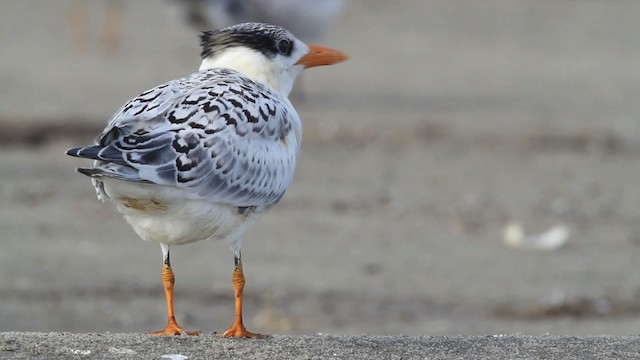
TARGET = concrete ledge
x,y
18,345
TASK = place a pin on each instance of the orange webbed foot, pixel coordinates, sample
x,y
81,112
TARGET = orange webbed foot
x,y
239,331
172,330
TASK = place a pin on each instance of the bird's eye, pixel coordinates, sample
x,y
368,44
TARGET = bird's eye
x,y
284,46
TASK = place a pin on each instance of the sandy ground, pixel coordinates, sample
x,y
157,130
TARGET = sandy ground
x,y
451,120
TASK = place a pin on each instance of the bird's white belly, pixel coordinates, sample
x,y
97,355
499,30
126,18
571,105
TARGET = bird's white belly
x,y
160,214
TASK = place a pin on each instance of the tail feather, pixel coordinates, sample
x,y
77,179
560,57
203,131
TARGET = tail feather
x,y
90,172
113,171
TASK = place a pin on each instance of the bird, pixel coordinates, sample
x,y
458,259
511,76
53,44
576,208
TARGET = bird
x,y
308,19
204,156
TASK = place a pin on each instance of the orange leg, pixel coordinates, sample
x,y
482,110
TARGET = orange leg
x,y
167,281
238,329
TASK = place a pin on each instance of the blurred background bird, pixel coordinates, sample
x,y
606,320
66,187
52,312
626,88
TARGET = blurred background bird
x,y
308,19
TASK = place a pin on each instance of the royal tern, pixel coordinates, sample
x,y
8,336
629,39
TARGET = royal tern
x,y
202,157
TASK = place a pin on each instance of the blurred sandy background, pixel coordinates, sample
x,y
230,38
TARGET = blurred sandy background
x,y
452,120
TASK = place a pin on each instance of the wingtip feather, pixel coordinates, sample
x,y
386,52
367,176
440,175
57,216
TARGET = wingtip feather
x,y
73,151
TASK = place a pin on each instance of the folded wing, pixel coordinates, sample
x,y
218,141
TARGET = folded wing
x,y
215,134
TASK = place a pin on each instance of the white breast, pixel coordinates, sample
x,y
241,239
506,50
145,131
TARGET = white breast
x,y
167,215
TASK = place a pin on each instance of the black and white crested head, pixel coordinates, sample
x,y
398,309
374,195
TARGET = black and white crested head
x,y
262,52
271,40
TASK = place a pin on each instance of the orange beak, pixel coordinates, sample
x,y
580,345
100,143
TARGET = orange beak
x,y
321,55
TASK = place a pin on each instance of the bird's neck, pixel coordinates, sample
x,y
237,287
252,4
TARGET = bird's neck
x,y
252,64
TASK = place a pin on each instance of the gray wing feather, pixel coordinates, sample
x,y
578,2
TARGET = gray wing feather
x,y
215,133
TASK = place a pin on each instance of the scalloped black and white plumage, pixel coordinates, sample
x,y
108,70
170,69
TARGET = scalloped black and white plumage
x,y
202,156
198,135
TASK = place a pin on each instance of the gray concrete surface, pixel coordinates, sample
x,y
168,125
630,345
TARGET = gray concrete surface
x,y
129,346
452,119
